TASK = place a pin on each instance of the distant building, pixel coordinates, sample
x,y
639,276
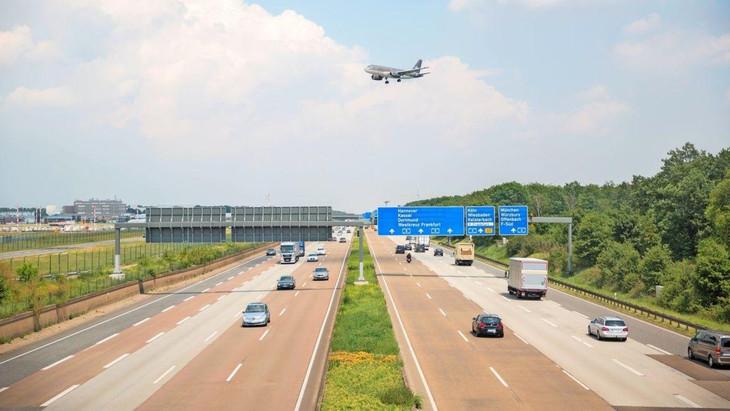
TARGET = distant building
x,y
99,209
68,209
52,210
58,218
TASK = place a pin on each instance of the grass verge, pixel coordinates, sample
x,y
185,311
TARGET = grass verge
x,y
365,371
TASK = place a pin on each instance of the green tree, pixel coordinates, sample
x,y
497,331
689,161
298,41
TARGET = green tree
x,y
591,237
718,210
27,272
618,265
712,281
654,265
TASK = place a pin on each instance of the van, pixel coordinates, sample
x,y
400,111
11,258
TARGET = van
x,y
711,346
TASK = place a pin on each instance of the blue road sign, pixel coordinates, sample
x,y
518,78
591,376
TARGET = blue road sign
x,y
367,215
444,221
513,220
480,220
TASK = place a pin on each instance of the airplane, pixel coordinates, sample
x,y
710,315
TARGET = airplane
x,y
382,72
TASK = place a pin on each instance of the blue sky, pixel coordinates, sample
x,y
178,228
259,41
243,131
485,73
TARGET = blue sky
x,y
220,102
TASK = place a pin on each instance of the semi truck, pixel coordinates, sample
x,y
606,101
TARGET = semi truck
x,y
464,254
527,277
289,252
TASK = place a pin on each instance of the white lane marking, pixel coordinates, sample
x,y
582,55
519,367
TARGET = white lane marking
x,y
408,340
659,349
282,312
523,340
305,283
442,312
3,389
581,314
576,338
205,290
221,297
210,336
163,375
451,285
553,302
188,299
479,283
264,335
140,322
576,380
56,363
418,284
524,309
429,296
296,294
154,338
121,357
505,298
107,339
627,367
230,278
466,296
237,314
217,284
258,297
204,307
462,335
550,323
690,403
183,320
66,391
235,370
168,308
241,272
498,377
586,344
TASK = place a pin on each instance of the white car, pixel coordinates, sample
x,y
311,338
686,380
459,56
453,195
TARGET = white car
x,y
312,258
321,251
609,327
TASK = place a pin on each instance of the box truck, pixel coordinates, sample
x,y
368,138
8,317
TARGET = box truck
x,y
464,254
527,277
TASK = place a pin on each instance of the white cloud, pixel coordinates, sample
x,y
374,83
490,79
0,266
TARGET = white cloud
x,y
18,44
674,50
596,92
643,25
25,98
595,116
462,5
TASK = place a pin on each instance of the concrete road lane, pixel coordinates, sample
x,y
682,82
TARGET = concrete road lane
x,y
623,373
460,370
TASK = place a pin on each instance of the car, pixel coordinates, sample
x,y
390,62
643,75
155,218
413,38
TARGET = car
x,y
489,324
321,273
286,282
343,240
312,258
349,231
711,346
256,313
608,327
438,252
408,247
420,248
270,251
321,251
399,249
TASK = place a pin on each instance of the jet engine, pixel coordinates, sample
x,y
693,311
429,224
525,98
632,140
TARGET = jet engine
x,y
376,77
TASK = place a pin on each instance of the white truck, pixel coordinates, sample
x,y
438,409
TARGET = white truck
x,y
289,252
425,240
528,277
464,253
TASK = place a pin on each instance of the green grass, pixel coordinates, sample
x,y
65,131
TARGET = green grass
x,y
43,239
364,370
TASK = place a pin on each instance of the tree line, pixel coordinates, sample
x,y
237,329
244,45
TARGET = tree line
x,y
671,229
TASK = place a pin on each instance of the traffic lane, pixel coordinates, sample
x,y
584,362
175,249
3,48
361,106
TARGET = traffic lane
x,y
267,371
502,369
127,384
83,365
610,368
17,364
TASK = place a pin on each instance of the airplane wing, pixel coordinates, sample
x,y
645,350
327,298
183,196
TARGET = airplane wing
x,y
411,71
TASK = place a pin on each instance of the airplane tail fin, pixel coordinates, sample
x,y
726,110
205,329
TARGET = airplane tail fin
x,y
418,64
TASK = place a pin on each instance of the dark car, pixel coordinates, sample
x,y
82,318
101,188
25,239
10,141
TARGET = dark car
x,y
399,249
438,252
408,247
420,248
270,251
711,346
286,282
489,324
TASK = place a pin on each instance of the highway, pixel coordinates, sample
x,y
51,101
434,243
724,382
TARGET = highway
x,y
545,360
160,353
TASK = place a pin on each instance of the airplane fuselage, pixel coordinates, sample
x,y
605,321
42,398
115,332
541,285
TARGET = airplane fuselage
x,y
384,72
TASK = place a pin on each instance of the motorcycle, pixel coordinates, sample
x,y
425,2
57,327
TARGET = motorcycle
x,y
408,258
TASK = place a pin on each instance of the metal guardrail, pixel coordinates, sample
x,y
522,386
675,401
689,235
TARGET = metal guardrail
x,y
677,322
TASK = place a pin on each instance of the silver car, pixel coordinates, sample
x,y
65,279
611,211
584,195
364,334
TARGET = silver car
x,y
609,327
711,346
256,314
321,273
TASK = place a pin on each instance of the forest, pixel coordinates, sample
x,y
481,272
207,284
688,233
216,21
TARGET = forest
x,y
671,229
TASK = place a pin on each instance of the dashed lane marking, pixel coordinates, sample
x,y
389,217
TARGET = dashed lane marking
x,y
163,375
235,370
56,363
183,320
140,322
499,377
576,380
66,391
121,357
154,338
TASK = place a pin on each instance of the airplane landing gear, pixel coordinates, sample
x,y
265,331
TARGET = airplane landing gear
x,y
399,80
387,82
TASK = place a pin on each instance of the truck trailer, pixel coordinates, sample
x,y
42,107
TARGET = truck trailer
x,y
527,277
464,253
